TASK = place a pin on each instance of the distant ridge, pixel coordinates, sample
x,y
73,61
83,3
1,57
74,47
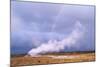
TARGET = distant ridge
x,y
54,53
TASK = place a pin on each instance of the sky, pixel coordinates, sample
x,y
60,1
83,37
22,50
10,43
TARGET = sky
x,y
35,24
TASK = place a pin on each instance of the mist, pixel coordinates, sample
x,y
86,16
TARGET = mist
x,y
56,46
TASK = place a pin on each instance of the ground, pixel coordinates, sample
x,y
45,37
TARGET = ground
x,y
52,58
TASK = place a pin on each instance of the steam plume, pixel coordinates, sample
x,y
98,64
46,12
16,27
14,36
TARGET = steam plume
x,y
56,46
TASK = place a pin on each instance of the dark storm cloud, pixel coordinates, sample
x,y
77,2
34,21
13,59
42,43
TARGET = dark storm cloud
x,y
36,23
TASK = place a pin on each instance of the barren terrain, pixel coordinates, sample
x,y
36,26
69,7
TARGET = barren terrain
x,y
52,58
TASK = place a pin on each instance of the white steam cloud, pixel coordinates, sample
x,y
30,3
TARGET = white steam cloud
x,y
56,46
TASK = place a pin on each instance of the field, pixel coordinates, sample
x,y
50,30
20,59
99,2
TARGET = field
x,y
52,58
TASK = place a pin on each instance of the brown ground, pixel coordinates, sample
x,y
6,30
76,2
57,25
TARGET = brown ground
x,y
46,59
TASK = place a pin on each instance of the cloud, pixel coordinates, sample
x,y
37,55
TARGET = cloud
x,y
51,24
